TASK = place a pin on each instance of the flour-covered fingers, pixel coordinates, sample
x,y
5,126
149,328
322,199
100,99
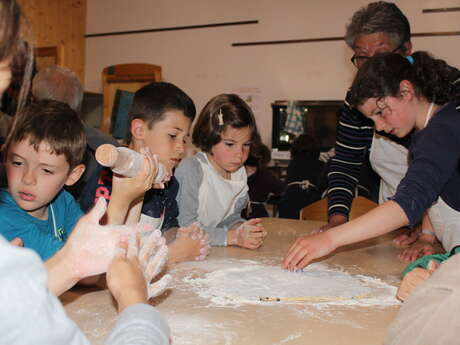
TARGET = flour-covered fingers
x,y
133,246
156,263
149,245
121,250
205,247
157,288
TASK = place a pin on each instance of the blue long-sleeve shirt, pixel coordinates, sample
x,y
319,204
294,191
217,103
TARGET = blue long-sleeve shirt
x,y
433,172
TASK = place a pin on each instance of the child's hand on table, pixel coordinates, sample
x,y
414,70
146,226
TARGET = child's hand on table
x,y
414,278
249,235
307,248
424,245
196,233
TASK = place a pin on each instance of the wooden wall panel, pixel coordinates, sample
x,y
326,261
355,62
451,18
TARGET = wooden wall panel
x,y
59,22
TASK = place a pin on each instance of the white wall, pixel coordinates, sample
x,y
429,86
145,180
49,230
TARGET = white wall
x,y
204,64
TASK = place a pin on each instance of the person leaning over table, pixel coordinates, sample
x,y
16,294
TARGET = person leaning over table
x,y
402,94
376,28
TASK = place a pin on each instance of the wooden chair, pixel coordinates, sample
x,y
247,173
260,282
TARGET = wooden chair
x,y
318,210
129,77
49,56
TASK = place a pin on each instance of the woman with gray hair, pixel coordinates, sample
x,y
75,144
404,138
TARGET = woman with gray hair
x,y
376,28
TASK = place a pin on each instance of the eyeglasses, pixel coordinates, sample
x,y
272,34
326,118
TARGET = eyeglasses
x,y
359,60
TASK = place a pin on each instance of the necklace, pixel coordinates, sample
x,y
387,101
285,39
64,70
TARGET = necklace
x,y
428,114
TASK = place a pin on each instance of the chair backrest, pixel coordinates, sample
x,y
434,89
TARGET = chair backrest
x,y
128,77
318,210
49,56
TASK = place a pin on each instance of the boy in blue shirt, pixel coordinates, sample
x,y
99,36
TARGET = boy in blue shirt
x,y
43,152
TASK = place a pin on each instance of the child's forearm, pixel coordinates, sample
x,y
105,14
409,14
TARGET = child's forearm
x,y
117,210
61,275
381,220
134,212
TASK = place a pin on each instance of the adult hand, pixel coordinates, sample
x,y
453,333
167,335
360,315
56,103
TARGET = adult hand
x,y
307,248
250,234
196,233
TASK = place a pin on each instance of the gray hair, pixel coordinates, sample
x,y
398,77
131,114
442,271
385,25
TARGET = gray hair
x,y
58,84
379,16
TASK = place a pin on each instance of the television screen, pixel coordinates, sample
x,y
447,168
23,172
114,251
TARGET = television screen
x,y
319,118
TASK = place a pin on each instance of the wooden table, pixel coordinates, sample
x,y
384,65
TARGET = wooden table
x,y
194,321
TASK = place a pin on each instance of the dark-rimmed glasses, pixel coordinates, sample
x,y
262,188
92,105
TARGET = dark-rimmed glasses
x,y
359,60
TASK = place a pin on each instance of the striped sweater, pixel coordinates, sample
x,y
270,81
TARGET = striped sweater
x,y
353,143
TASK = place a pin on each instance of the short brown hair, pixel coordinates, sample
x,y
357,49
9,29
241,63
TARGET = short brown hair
x,y
151,102
53,122
210,125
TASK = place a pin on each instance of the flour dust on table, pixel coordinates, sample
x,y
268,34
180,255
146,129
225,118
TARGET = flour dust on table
x,y
232,282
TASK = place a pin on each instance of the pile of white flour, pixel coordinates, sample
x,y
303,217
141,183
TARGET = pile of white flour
x,y
230,282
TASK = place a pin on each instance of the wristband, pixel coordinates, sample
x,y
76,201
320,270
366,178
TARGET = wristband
x,y
428,232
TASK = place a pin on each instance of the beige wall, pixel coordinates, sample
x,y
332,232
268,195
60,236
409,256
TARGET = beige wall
x,y
203,62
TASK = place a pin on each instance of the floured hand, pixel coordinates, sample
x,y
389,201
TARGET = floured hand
x,y
250,234
152,254
196,233
91,246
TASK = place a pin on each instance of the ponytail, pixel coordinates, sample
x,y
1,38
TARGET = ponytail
x,y
434,78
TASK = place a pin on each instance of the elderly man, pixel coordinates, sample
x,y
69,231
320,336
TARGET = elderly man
x,y
61,84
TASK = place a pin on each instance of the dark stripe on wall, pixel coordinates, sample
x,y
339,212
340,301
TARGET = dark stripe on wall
x,y
327,39
431,34
306,40
442,9
174,28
